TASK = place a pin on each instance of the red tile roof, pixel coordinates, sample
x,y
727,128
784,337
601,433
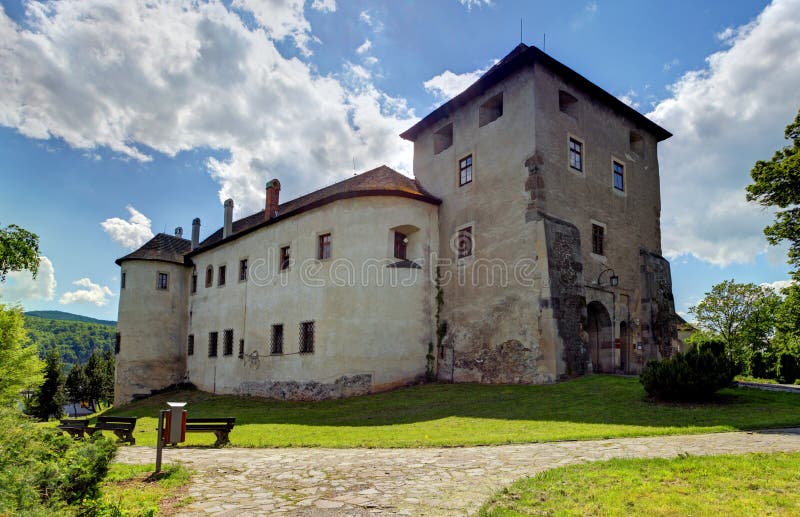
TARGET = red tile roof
x,y
382,181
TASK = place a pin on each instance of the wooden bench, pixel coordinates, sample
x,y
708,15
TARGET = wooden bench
x,y
75,428
122,426
221,427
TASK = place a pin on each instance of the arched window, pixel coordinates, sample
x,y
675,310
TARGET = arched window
x,y
209,276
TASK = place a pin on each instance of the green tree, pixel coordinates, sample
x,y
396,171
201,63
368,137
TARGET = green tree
x,y
742,315
19,360
107,394
75,386
49,399
776,183
19,249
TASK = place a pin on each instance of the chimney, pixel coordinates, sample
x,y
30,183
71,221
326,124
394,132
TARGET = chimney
x,y
227,229
195,232
273,195
179,232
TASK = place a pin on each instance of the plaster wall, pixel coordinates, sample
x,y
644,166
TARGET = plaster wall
x,y
372,323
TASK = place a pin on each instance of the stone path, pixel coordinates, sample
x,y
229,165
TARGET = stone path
x,y
435,481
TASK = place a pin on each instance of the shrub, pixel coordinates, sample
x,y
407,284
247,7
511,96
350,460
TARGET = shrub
x,y
788,368
696,375
43,472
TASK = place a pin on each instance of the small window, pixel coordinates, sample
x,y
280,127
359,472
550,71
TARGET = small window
x,y
567,103
221,271
575,154
227,342
400,245
190,345
285,258
243,270
276,346
213,341
162,282
464,242
465,171
490,110
194,283
241,349
122,282
636,143
307,337
324,249
117,343
209,276
619,176
598,235
443,139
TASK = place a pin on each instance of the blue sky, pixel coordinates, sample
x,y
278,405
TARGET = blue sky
x,y
168,109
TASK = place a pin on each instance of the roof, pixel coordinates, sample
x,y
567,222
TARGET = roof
x,y
522,56
162,247
381,181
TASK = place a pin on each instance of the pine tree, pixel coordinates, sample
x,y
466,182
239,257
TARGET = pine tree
x,y
49,399
108,377
75,386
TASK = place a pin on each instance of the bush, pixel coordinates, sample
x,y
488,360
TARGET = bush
x,y
696,375
788,368
43,472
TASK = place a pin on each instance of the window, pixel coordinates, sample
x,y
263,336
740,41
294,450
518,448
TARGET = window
x,y
241,348
443,139
490,110
122,282
307,337
190,345
575,154
636,143
465,171
284,258
213,339
194,283
567,103
276,347
598,234
243,270
117,342
209,276
227,342
162,282
400,245
324,251
221,270
464,242
619,176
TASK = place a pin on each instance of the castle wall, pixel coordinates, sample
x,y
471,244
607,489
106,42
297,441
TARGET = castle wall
x,y
152,327
491,299
373,323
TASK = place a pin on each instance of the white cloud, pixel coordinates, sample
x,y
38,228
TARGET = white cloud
x,y
671,64
724,118
629,99
447,85
591,7
90,293
364,47
131,233
325,6
469,4
585,16
145,77
778,285
367,19
20,285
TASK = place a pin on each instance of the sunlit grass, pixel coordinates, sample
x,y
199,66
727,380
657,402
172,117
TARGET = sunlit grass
x,y
134,489
593,407
753,484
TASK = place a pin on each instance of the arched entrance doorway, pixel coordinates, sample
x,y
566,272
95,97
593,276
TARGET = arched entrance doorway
x,y
598,326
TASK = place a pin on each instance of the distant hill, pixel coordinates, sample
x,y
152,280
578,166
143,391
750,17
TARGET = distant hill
x,y
74,336
67,316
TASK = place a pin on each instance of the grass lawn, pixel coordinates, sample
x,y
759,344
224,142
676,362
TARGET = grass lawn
x,y
752,484
593,407
133,490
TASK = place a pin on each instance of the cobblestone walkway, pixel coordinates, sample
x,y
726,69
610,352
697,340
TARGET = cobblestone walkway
x,y
451,481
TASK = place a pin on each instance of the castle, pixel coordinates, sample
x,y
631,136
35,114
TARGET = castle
x,y
526,249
